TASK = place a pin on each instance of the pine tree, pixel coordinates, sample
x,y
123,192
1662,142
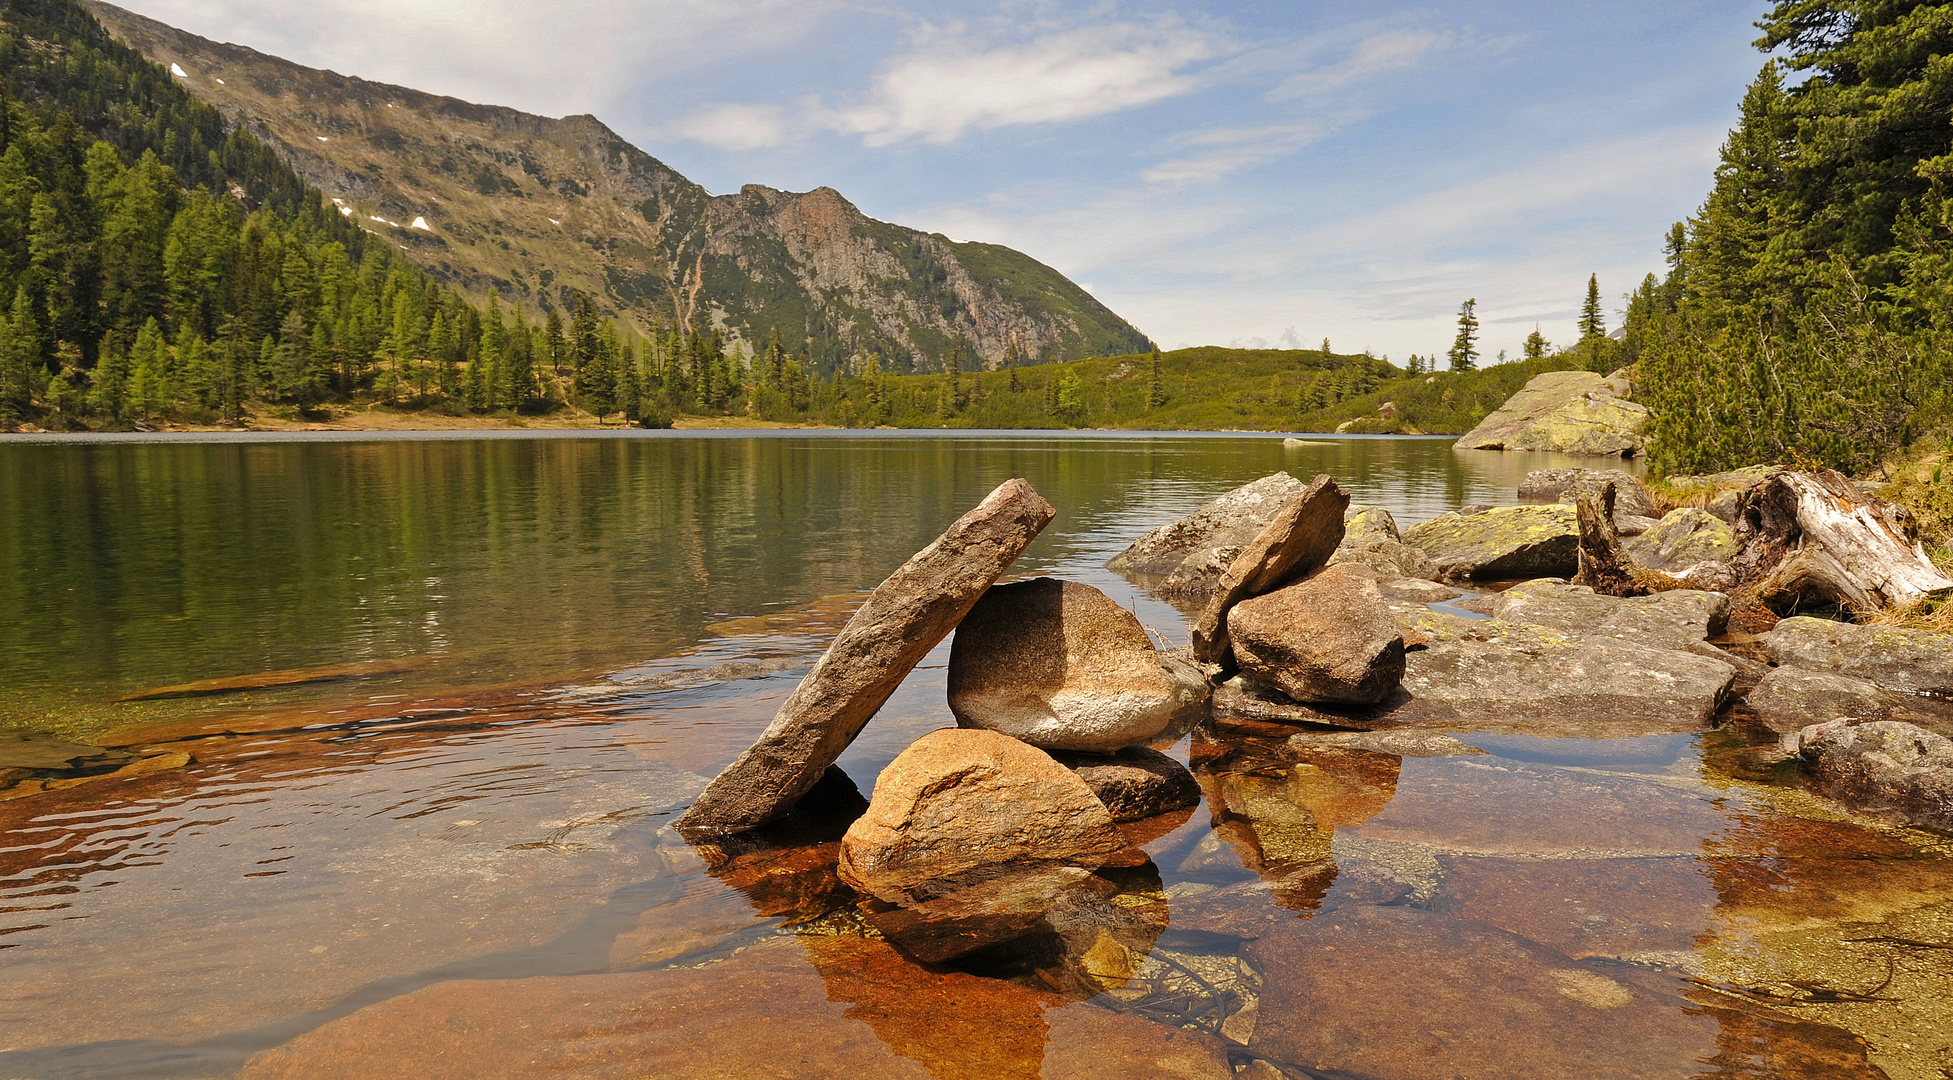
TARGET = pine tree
x,y
1464,348
1592,323
1536,344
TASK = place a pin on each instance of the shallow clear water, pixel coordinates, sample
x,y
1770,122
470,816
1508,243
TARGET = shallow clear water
x,y
461,866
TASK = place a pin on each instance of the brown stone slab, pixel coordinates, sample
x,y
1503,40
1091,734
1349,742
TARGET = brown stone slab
x,y
907,616
266,680
1302,537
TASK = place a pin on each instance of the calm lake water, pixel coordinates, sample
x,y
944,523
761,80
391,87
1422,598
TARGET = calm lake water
x,y
457,862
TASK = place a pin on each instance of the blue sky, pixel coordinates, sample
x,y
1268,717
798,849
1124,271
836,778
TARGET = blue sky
x,y
1228,173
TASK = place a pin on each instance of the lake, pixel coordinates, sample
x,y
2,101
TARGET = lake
x,y
432,839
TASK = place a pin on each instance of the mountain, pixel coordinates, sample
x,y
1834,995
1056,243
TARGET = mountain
x,y
539,209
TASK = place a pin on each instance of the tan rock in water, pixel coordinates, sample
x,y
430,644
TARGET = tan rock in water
x,y
1331,638
1060,666
919,604
962,807
1301,538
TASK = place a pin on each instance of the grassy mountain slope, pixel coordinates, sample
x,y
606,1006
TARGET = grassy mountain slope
x,y
537,208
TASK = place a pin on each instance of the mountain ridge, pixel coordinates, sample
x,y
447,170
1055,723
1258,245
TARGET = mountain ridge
x,y
539,209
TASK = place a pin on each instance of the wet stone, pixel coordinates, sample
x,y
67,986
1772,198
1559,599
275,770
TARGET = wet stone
x,y
1136,783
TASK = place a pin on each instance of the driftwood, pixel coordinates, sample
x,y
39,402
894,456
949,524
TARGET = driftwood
x,y
1605,566
1814,540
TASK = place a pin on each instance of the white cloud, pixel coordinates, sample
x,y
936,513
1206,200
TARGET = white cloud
x,y
949,87
541,57
739,127
1225,150
1375,54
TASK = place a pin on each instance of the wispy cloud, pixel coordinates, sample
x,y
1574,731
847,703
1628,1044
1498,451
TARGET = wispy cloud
x,y
1224,150
951,83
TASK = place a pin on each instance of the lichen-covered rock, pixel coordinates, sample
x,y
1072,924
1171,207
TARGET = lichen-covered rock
x,y
1330,638
1676,619
1061,666
1632,499
1790,699
1915,661
1883,767
960,807
1370,538
1206,542
1501,543
1568,412
1686,543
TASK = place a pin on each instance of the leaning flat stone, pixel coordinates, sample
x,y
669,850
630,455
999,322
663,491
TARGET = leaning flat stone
x,y
1330,638
960,807
1503,543
1061,666
1302,537
1669,620
1916,661
1210,538
1884,767
906,616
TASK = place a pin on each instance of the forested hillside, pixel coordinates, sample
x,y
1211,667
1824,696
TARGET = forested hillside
x,y
155,266
1807,314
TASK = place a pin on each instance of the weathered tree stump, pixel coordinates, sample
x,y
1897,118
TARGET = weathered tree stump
x,y
1605,566
1814,540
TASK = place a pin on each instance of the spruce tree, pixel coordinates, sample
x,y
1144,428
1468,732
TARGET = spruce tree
x,y
1464,348
1536,344
1592,323
1155,388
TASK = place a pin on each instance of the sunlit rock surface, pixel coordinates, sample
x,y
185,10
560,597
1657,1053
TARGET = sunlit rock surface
x,y
1503,543
1569,412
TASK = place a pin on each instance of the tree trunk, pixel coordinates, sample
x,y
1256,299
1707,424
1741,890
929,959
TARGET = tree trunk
x,y
1605,566
1813,539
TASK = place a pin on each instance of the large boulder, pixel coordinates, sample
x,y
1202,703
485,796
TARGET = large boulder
x,y
960,808
1686,543
1501,543
1493,675
1633,502
1370,538
1187,556
1299,539
1789,699
1914,661
905,617
1330,638
1677,619
1059,665
1884,767
1567,412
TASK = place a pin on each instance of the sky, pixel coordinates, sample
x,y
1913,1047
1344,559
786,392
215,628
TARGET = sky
x,y
1231,173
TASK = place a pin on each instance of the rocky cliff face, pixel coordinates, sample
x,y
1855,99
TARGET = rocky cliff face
x,y
489,197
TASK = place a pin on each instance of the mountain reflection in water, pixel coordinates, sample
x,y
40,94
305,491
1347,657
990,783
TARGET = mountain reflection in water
x,y
416,880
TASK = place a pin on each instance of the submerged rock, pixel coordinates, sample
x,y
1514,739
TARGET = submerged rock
x,y
1060,666
1207,541
919,604
1501,543
1883,767
1300,538
1330,638
1567,412
962,807
1916,661
1136,783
